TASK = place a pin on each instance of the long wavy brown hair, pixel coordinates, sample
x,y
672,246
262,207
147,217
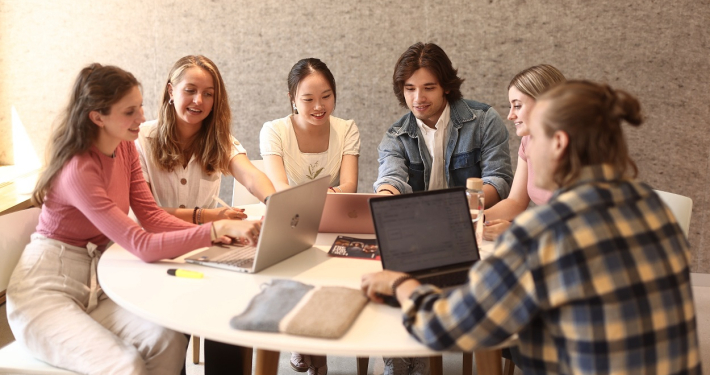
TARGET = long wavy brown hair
x,y
212,145
96,88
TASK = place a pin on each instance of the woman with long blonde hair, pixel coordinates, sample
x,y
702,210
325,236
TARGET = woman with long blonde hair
x,y
187,149
184,154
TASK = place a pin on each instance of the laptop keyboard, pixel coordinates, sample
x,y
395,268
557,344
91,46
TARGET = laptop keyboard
x,y
445,279
242,257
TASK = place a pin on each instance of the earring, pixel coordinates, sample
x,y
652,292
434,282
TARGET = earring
x,y
295,110
170,102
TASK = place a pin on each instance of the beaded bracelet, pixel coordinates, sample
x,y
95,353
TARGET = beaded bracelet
x,y
398,281
194,215
199,216
337,187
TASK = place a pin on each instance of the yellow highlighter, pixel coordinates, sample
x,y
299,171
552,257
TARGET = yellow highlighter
x,y
185,273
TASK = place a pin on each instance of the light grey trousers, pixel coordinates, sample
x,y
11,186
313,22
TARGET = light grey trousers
x,y
56,308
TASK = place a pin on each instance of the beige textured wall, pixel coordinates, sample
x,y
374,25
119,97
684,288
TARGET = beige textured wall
x,y
657,50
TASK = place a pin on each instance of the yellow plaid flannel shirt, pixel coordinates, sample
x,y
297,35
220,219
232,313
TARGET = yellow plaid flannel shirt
x,y
595,282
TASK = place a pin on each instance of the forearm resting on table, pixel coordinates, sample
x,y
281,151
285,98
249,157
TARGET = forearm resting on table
x,y
507,209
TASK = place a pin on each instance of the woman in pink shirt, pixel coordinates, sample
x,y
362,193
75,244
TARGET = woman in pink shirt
x,y
523,89
55,306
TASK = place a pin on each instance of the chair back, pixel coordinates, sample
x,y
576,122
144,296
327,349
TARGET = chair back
x,y
240,194
682,208
15,231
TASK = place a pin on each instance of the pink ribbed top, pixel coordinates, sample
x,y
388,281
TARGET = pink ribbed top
x,y
89,201
537,195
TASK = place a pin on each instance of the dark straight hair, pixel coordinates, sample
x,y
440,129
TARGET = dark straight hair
x,y
303,69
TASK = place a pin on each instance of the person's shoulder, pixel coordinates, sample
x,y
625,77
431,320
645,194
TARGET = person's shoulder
x,y
340,123
148,129
474,105
402,124
279,123
81,165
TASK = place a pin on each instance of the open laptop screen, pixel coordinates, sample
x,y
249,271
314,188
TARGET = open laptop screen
x,y
424,230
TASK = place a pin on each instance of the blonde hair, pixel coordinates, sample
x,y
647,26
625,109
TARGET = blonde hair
x,y
535,80
212,145
591,114
96,88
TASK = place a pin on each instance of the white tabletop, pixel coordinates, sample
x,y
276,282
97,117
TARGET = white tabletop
x,y
204,307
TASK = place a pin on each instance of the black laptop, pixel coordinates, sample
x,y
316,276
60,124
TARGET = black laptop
x,y
428,235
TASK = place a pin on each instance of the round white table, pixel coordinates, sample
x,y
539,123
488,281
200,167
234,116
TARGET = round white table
x,y
204,307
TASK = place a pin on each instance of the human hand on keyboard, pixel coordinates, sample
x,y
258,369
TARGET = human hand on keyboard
x,y
246,231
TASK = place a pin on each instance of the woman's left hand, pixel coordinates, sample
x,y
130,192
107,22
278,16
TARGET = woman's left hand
x,y
492,229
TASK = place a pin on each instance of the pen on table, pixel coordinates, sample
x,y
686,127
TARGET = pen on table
x,y
224,204
185,273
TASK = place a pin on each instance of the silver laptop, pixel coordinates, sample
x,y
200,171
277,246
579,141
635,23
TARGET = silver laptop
x,y
428,235
290,226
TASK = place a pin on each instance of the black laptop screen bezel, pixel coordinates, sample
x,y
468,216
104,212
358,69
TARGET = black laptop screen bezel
x,y
374,203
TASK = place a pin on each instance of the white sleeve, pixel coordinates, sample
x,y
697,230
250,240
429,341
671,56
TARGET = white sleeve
x,y
351,146
237,149
270,140
142,157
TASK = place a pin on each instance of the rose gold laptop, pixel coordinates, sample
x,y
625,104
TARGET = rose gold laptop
x,y
347,213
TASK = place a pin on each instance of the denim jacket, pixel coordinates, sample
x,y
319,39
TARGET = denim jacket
x,y
476,146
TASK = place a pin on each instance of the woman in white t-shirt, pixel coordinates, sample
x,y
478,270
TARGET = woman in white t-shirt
x,y
310,142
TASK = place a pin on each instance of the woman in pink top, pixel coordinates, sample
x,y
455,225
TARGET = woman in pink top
x,y
522,91
55,306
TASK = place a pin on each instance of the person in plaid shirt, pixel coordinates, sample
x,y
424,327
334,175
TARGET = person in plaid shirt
x,y
595,282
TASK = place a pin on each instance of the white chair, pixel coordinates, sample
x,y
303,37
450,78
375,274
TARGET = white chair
x,y
15,231
240,194
682,208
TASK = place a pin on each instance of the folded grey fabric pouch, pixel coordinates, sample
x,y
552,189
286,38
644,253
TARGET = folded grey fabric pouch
x,y
295,308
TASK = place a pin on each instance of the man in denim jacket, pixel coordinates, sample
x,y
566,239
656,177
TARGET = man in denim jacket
x,y
444,139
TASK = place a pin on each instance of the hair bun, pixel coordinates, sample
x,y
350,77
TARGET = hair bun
x,y
623,106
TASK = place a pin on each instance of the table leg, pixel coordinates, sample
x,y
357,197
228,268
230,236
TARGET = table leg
x,y
267,362
489,362
436,365
467,364
195,349
247,354
362,364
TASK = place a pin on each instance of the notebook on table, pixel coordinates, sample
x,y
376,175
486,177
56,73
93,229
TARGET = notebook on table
x,y
290,226
347,213
428,235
